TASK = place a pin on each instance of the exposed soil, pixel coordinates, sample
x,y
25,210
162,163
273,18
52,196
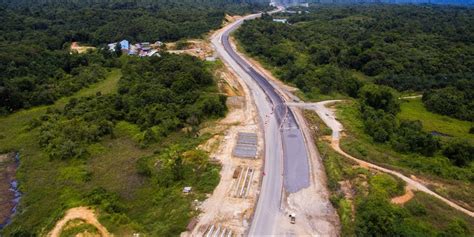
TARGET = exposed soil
x,y
222,208
316,214
405,197
230,19
80,49
196,47
82,213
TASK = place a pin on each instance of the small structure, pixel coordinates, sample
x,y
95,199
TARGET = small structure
x,y
281,20
153,52
187,189
112,46
237,172
292,218
125,45
141,49
133,50
158,44
145,46
210,59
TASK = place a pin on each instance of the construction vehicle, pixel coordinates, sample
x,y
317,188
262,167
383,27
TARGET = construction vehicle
x,y
292,218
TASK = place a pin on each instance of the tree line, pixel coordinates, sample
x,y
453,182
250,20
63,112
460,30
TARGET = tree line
x,y
409,48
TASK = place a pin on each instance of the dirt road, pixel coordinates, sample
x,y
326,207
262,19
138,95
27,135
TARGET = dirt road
x,y
329,118
83,213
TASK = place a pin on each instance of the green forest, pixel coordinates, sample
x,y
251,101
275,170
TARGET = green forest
x,y
409,48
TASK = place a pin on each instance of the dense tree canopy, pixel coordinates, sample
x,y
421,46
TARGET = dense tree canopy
x,y
36,68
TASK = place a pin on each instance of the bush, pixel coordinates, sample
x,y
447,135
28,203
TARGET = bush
x,y
459,152
451,101
377,217
409,137
457,228
378,124
415,208
380,98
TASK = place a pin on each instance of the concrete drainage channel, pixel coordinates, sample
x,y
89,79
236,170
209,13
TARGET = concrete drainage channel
x,y
243,177
218,231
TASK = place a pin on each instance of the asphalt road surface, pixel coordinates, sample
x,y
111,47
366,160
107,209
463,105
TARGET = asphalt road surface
x,y
286,159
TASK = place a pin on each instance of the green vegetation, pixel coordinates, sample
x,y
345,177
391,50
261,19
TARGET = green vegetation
x,y
43,78
334,49
103,129
318,124
75,227
362,199
457,102
378,107
373,53
456,181
97,148
414,109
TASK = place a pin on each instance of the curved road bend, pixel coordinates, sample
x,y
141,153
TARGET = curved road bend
x,y
286,159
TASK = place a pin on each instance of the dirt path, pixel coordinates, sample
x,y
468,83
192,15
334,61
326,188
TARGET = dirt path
x,y
407,196
83,213
410,97
329,118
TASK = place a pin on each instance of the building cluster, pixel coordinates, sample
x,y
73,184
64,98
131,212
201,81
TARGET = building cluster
x,y
143,49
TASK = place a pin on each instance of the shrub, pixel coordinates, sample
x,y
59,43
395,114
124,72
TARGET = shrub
x,y
377,217
461,153
409,137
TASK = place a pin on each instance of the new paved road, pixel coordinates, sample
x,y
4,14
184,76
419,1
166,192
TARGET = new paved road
x,y
285,150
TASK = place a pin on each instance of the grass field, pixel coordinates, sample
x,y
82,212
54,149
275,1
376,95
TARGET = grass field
x,y
413,109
